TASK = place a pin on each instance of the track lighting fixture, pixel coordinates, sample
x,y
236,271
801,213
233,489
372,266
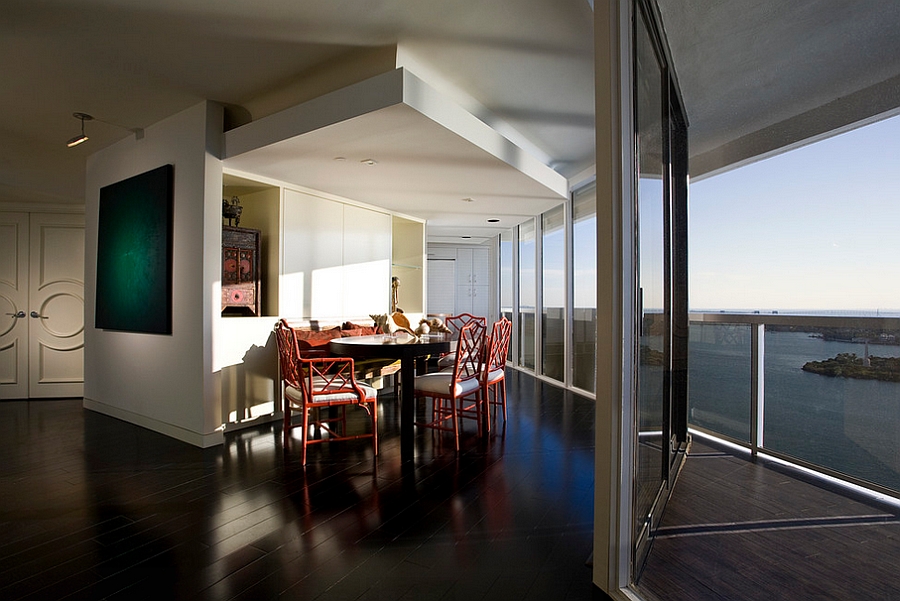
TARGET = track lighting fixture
x,y
137,131
82,138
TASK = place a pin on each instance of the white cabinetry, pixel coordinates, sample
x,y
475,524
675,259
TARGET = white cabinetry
x,y
472,281
336,259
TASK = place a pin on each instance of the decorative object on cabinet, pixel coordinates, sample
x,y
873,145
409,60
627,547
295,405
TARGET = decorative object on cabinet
x,y
231,210
240,271
395,293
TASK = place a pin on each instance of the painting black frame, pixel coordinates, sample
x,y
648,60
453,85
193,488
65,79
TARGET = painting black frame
x,y
134,254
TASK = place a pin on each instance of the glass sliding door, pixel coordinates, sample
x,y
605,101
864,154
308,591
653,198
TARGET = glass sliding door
x,y
584,288
653,297
553,293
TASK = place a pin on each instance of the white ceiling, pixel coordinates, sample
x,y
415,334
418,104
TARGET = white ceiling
x,y
755,76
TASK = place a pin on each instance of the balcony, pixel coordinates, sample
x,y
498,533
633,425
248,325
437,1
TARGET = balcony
x,y
750,383
791,487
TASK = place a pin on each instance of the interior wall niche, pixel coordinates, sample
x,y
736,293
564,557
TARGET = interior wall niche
x,y
259,212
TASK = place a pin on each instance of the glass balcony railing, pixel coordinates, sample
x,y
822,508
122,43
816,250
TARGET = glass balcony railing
x,y
820,391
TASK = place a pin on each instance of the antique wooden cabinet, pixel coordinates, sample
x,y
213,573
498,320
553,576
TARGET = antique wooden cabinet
x,y
240,271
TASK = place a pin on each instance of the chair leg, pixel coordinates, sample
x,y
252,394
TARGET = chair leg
x,y
286,431
374,428
485,404
455,419
479,415
304,436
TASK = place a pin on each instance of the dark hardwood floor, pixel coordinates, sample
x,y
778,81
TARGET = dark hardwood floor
x,y
96,508
735,529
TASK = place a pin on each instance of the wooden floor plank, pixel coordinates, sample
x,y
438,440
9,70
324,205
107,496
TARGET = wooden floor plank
x,y
103,509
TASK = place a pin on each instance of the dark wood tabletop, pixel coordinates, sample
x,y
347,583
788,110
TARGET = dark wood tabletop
x,y
405,349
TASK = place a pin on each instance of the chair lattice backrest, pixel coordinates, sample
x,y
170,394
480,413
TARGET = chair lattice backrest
x,y
469,353
288,353
498,345
317,376
326,381
456,322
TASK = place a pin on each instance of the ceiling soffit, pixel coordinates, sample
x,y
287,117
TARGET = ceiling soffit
x,y
432,159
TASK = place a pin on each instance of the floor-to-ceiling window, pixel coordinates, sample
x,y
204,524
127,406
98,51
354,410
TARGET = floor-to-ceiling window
x,y
507,285
553,293
584,288
527,294
554,255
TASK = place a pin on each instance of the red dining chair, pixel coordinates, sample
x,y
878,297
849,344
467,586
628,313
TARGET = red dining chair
x,y
456,393
493,373
313,384
455,323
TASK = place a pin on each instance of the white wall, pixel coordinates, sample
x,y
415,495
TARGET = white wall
x,y
165,383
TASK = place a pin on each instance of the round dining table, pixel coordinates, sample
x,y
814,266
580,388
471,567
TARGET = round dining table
x,y
408,351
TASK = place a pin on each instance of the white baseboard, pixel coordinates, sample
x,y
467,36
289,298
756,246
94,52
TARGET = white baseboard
x,y
177,432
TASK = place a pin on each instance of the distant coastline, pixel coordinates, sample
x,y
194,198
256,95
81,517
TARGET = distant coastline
x,y
807,312
857,337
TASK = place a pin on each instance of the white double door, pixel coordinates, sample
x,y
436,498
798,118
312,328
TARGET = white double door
x,y
41,305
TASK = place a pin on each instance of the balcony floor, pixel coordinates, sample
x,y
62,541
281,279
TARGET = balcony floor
x,y
735,529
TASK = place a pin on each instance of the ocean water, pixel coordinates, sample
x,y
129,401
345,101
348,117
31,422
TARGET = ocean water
x,y
848,425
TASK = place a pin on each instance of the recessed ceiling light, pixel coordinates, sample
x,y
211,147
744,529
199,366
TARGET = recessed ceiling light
x,y
369,162
493,221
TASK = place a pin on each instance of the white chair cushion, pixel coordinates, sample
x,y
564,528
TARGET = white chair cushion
x,y
293,395
439,383
496,374
296,396
447,360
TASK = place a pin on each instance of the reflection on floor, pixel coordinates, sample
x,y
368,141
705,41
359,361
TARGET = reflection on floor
x,y
95,508
739,530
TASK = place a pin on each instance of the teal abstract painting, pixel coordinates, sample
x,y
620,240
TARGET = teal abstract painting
x,y
134,254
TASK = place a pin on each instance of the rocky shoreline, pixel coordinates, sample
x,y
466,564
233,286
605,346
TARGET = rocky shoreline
x,y
848,365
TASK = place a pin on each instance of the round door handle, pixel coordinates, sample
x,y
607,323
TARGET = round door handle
x,y
36,315
18,315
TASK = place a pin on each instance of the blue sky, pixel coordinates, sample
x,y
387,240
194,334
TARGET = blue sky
x,y
816,228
